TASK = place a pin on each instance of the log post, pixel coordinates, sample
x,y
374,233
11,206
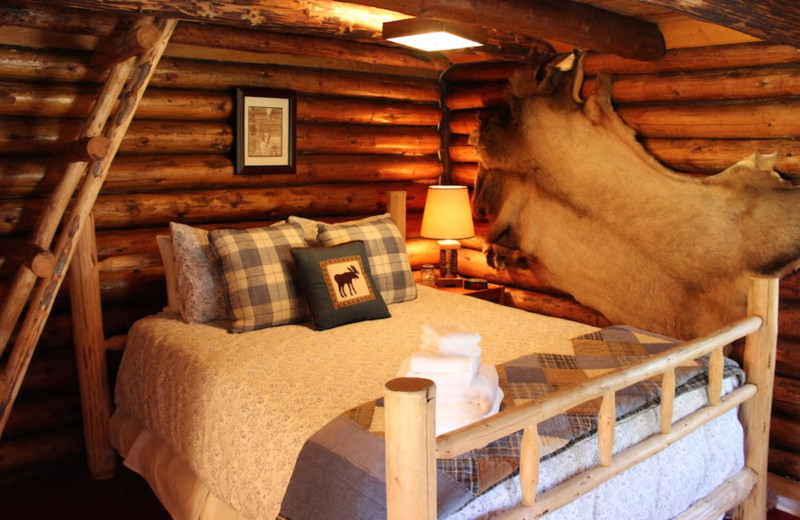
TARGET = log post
x,y
759,365
410,449
396,206
87,318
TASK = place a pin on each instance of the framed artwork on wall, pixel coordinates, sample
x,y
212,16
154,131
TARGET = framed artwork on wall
x,y
265,131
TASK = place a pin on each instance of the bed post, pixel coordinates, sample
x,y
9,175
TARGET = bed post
x,y
396,206
759,365
410,408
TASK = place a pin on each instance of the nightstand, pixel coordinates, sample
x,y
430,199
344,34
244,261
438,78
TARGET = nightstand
x,y
493,292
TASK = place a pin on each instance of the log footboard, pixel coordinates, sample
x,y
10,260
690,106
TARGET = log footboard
x,y
412,449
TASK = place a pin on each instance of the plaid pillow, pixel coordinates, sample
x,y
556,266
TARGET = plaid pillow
x,y
259,273
388,258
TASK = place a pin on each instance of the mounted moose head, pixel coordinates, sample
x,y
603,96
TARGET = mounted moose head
x,y
571,195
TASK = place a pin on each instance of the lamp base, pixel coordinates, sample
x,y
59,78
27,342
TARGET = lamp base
x,y
450,282
448,258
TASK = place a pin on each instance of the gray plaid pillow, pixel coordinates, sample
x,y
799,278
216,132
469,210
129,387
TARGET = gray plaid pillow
x,y
388,258
259,273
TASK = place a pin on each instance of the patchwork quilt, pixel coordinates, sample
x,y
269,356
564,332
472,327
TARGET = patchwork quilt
x,y
340,471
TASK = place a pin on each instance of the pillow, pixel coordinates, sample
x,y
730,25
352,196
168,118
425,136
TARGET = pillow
x,y
310,229
259,275
201,287
338,285
170,276
386,249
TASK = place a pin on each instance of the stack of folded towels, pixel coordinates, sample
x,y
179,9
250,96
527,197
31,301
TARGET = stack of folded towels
x,y
466,389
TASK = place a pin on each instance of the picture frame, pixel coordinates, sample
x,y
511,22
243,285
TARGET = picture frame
x,y
265,131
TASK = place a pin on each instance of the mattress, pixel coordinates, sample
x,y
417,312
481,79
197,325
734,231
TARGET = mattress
x,y
230,412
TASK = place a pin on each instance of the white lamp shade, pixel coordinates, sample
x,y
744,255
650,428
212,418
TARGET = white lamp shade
x,y
448,215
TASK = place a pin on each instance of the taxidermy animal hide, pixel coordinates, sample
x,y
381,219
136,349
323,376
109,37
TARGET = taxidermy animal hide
x,y
570,194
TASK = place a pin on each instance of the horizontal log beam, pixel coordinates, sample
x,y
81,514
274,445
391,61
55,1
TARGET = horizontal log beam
x,y
722,121
35,452
784,462
230,205
21,136
715,155
72,67
771,20
57,18
28,99
731,84
720,57
35,414
577,24
153,173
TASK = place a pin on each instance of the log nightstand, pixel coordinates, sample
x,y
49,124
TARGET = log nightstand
x,y
493,292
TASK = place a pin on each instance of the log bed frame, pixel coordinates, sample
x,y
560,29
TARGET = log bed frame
x,y
411,445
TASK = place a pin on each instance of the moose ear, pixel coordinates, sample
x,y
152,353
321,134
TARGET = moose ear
x,y
334,299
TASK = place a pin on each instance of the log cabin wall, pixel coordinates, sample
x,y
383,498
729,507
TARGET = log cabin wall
x,y
367,123
698,110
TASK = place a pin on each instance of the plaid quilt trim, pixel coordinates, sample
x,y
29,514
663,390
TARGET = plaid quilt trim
x,y
388,258
535,375
257,266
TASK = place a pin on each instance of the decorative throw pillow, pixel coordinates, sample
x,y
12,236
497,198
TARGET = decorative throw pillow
x,y
170,276
259,274
338,285
199,278
386,249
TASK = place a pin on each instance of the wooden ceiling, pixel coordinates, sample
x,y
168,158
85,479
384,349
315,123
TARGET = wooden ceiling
x,y
518,29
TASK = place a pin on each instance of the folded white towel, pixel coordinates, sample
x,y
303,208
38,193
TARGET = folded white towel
x,y
434,362
447,423
441,379
483,387
454,334
472,350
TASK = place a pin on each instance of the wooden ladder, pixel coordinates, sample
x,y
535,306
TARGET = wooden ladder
x,y
130,61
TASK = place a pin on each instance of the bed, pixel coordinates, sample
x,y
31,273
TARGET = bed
x,y
219,422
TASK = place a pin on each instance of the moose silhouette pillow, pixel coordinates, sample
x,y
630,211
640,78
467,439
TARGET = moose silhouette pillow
x,y
338,284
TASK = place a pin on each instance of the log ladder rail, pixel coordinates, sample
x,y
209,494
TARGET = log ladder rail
x,y
412,448
130,61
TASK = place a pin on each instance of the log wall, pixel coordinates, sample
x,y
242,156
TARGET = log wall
x,y
696,110
363,128
368,123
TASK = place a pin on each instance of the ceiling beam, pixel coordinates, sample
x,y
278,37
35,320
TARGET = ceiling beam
x,y
574,23
776,21
581,25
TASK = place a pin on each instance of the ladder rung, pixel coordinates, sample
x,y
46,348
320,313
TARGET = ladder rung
x,y
132,44
38,260
85,149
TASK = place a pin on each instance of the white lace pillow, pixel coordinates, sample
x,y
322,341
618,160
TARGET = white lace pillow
x,y
201,286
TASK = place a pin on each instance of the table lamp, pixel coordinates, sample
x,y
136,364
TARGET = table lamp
x,y
447,218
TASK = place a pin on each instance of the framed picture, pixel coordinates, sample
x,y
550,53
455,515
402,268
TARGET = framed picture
x,y
265,131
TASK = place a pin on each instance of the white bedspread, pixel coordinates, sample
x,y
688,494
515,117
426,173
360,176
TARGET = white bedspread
x,y
237,408
216,397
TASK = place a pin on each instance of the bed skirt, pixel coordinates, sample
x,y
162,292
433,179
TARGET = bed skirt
x,y
177,487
